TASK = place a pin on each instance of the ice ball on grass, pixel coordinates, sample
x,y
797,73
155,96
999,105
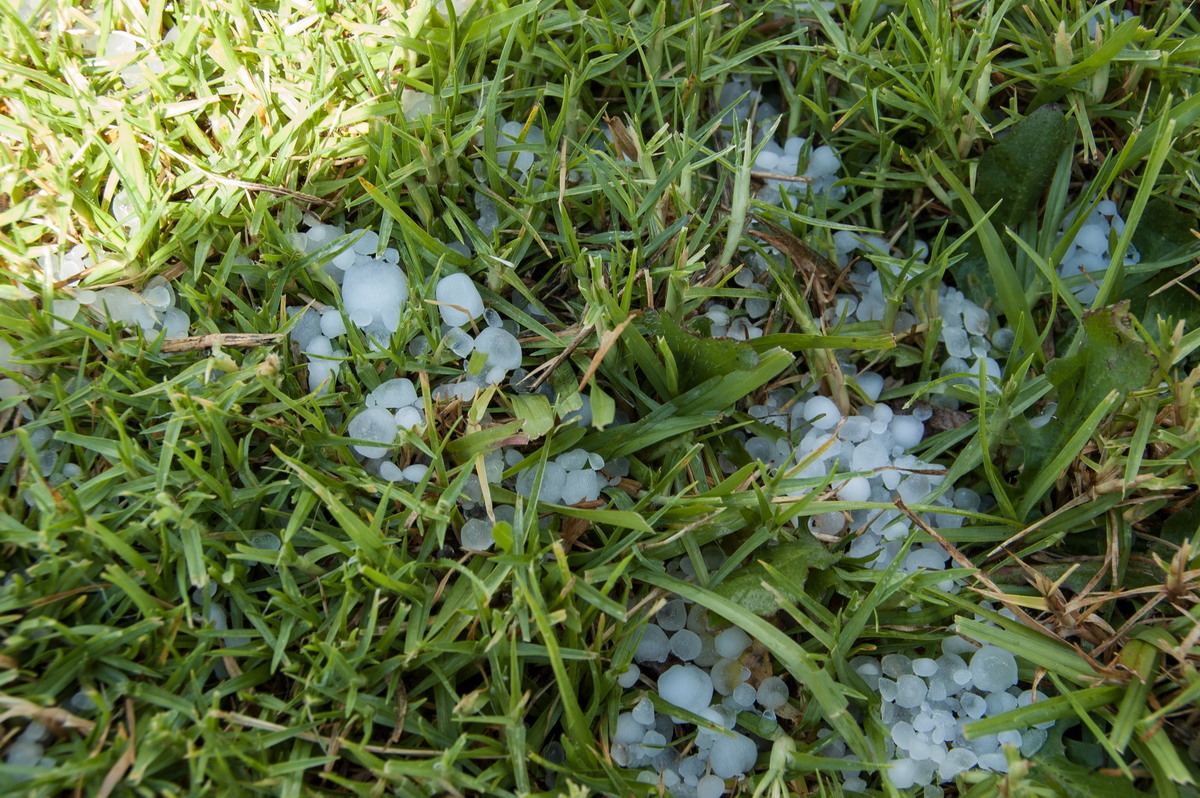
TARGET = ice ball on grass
x,y
727,674
628,731
629,677
686,645
503,351
393,394
822,412
672,616
374,291
373,424
476,534
687,687
459,298
732,755
654,645
391,472
732,642
772,693
993,669
711,786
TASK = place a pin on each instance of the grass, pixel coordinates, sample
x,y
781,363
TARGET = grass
x,y
370,654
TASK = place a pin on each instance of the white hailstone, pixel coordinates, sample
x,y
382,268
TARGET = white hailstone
x,y
928,559
925,667
267,541
727,674
654,645
629,677
711,786
643,711
672,616
871,384
1000,702
869,455
973,706
822,412
686,645
332,323
906,431
896,665
772,693
857,489
687,687
995,761
580,486
732,642
366,244
910,691
175,323
409,418
732,755
856,429
372,424
902,773
993,669
476,533
743,696
391,472
459,341
81,702
502,349
460,291
416,104
823,161
393,394
1032,740
374,292
628,730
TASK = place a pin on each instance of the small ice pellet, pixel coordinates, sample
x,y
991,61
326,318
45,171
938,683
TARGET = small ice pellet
x,y
654,645
459,298
711,786
871,384
268,541
643,711
993,669
772,693
629,677
672,616
732,642
686,645
687,687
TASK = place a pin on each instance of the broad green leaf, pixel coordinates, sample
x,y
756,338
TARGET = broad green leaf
x,y
535,412
793,557
698,359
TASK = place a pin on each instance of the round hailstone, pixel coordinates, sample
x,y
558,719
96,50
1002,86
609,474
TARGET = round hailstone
x,y
629,677
393,394
628,730
907,431
458,290
993,669
372,424
672,616
857,489
869,455
409,418
910,691
925,667
687,687
727,674
732,642
686,645
822,412
476,534
374,291
643,711
415,472
711,786
744,696
391,472
732,755
871,384
580,486
772,693
501,347
654,645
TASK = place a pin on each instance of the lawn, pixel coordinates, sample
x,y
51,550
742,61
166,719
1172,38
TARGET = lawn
x,y
491,398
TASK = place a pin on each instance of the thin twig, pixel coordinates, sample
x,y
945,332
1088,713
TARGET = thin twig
x,y
195,343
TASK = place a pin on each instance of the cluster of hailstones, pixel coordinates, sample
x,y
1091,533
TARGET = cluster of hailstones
x,y
1089,253
926,704
719,673
820,163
